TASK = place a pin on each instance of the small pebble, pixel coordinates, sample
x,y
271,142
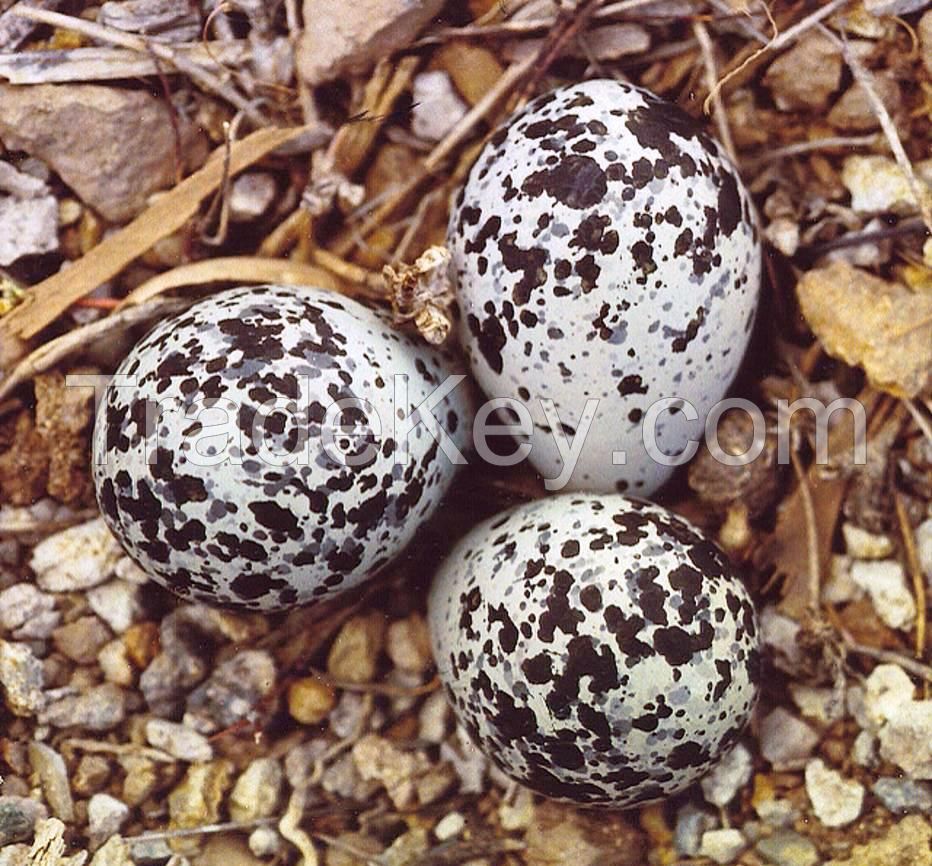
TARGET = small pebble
x,y
906,739
114,662
116,603
885,582
864,749
437,105
886,689
348,716
861,544
396,769
106,815
310,700
355,651
433,719
728,776
408,644
178,740
265,842
449,826
23,680
114,852
18,817
786,741
232,692
877,184
91,774
822,705
776,812
197,800
82,639
468,761
722,846
778,633
101,708
517,813
835,800
251,195
49,766
28,226
140,779
902,796
257,791
22,603
788,848
691,823
76,558
894,7
924,544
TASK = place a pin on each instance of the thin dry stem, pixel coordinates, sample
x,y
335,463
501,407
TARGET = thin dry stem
x,y
915,572
917,416
812,543
715,96
865,78
454,138
197,73
54,351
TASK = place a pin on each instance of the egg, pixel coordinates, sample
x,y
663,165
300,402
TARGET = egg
x,y
599,649
257,450
604,250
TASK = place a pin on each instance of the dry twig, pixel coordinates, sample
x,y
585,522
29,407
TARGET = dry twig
x,y
197,73
915,571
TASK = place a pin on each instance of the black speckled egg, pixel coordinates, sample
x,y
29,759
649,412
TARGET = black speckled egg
x,y
605,249
599,649
244,454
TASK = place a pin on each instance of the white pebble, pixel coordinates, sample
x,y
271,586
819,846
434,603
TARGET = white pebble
x,y
885,690
906,739
877,184
864,749
76,558
722,846
835,800
728,776
437,107
178,740
861,544
450,826
924,547
105,815
823,705
786,741
116,603
251,195
885,582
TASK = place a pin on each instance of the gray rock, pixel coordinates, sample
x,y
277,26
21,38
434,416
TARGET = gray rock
x,y
691,823
101,708
788,848
49,766
18,816
894,7
106,815
232,692
178,740
28,227
786,741
902,796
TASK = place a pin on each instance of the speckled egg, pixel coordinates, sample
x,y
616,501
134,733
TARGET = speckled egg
x,y
244,453
599,650
605,249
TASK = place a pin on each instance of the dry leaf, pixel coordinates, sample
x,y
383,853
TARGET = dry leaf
x,y
789,547
871,323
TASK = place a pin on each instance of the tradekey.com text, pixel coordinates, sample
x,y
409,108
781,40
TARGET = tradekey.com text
x,y
350,431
